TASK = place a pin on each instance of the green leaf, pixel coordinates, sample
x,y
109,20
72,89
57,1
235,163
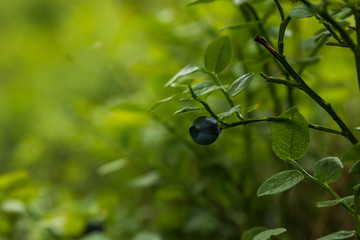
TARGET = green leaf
x,y
330,203
252,108
251,233
239,2
112,166
199,1
328,170
228,114
357,128
290,137
183,72
280,182
310,60
146,180
240,84
355,169
352,154
265,235
158,103
204,88
338,235
322,35
189,109
218,55
301,11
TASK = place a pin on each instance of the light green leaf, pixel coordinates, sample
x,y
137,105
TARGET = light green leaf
x,y
352,154
280,182
183,72
328,170
189,109
265,235
338,235
112,166
228,114
330,203
13,206
251,233
310,60
204,88
357,128
290,138
218,55
322,35
355,169
146,180
252,108
240,84
301,11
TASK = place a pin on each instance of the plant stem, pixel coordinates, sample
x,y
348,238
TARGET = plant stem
x,y
226,93
356,208
282,29
281,11
303,86
277,119
321,184
357,52
206,106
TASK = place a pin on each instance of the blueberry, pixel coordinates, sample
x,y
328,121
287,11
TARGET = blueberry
x,y
204,130
93,226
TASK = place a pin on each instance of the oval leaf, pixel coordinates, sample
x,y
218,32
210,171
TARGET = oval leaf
x,y
330,203
240,84
355,169
189,109
290,138
328,170
251,233
338,235
218,55
265,235
301,11
183,72
228,114
203,88
280,182
352,154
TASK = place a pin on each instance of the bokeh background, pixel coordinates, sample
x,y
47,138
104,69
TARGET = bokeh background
x,y
78,145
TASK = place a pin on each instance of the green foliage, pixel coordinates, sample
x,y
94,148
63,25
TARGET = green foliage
x,y
352,154
251,233
330,203
301,11
218,55
338,235
240,84
290,136
266,234
328,169
280,182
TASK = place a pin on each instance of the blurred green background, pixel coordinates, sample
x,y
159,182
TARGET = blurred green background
x,y
78,146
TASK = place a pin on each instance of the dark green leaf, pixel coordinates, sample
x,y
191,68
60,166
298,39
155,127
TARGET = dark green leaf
x,y
352,154
203,88
239,26
183,72
158,103
355,169
218,55
301,11
189,109
322,35
330,203
240,84
250,234
228,114
290,137
338,235
265,235
328,170
280,182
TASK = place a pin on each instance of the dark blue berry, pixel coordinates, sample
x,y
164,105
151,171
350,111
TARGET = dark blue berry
x,y
93,226
204,130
